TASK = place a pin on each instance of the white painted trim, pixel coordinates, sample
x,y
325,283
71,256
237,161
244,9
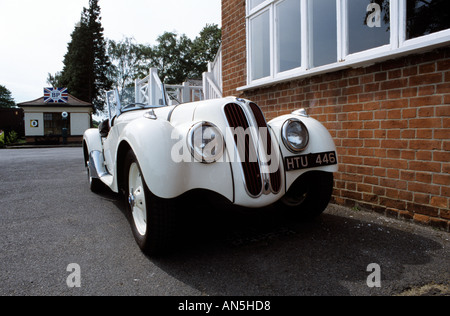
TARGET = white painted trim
x,y
397,47
352,63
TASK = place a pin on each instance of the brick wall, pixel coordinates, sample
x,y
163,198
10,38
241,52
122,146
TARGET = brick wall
x,y
234,55
390,122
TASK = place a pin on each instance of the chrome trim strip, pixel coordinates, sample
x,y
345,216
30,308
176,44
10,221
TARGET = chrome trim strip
x,y
252,128
261,148
96,165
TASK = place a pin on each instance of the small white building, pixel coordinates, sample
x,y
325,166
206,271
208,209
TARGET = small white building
x,y
46,117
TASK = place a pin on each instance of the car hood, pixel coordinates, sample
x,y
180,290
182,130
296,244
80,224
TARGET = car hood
x,y
196,111
209,110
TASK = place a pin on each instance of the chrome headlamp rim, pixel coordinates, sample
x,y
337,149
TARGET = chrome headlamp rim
x,y
285,139
191,144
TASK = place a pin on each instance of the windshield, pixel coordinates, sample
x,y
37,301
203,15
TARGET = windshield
x,y
132,98
142,97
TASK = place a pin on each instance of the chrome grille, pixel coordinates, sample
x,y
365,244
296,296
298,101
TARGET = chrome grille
x,y
245,147
275,177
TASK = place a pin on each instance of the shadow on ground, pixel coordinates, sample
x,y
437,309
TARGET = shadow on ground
x,y
229,252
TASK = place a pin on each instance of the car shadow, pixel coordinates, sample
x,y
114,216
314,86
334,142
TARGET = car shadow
x,y
228,251
264,253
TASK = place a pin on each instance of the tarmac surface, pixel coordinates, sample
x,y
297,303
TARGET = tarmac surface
x,y
49,219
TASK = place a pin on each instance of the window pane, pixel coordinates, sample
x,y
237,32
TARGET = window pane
x,y
255,3
288,35
53,123
368,24
426,17
323,32
260,46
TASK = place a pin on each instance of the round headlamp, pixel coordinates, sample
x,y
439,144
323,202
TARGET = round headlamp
x,y
295,135
205,142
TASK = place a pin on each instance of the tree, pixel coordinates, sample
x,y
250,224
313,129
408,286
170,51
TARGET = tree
x,y
6,100
129,61
426,17
205,48
172,57
86,64
178,58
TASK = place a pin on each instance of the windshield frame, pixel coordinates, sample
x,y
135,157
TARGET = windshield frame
x,y
119,109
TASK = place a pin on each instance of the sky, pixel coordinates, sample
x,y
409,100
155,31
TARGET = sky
x,y
34,33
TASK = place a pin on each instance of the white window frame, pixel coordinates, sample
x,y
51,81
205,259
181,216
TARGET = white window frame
x,y
397,47
258,13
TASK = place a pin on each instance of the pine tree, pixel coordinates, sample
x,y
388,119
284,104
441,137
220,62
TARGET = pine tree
x,y
86,64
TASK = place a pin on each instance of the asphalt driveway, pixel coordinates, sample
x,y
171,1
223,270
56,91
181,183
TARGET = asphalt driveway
x,y
49,219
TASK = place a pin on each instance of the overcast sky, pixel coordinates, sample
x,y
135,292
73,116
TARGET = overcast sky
x,y
34,33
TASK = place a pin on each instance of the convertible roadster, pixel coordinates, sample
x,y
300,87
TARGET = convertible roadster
x,y
152,154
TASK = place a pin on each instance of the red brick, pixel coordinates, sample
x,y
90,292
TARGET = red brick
x,y
443,65
424,155
443,88
446,144
425,166
394,163
421,198
442,179
438,201
421,144
395,84
443,156
388,124
427,68
410,71
422,219
423,209
409,92
424,101
425,123
394,104
409,113
392,203
423,177
395,114
443,110
394,144
425,79
426,112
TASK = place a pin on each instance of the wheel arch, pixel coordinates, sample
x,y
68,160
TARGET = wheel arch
x,y
85,153
123,149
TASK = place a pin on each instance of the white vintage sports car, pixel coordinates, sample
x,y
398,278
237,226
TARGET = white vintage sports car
x,y
153,154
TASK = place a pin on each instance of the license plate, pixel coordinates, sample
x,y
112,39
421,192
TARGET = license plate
x,y
310,161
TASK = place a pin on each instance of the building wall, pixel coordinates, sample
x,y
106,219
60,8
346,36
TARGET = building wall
x,y
79,123
31,130
80,119
233,46
390,122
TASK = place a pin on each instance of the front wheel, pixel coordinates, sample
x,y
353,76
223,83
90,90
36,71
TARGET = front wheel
x,y
310,195
151,217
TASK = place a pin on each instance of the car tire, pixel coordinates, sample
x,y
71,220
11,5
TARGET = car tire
x,y
309,196
151,218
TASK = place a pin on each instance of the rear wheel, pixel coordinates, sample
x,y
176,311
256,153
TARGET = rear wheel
x,y
151,217
310,195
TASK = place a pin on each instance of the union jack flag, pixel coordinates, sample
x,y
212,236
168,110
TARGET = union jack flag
x,y
56,95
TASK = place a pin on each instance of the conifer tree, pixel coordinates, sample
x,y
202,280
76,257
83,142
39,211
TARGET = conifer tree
x,y
86,64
